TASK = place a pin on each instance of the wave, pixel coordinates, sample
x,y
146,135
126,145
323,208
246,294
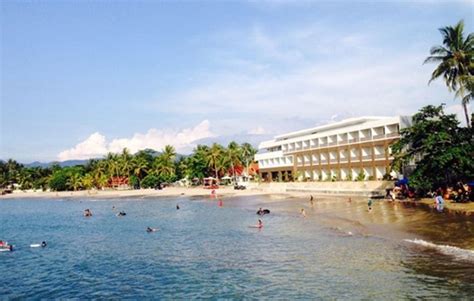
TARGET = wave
x,y
459,253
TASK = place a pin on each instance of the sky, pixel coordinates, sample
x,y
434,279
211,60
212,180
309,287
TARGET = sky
x,y
82,78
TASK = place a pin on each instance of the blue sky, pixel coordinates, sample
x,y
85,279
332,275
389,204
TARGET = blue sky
x,y
82,78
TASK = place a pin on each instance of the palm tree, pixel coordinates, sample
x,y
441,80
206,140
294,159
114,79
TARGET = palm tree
x,y
87,181
234,155
213,158
169,152
125,162
455,60
140,167
75,181
248,154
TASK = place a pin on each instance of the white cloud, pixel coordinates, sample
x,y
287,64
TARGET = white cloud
x,y
310,74
96,145
257,131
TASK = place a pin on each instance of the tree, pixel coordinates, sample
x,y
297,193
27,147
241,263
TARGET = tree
x,y
234,155
213,158
150,181
248,155
442,151
455,60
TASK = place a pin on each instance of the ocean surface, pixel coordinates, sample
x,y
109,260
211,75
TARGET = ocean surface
x,y
339,251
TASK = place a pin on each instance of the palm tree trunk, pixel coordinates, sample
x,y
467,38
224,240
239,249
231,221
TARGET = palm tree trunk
x,y
464,105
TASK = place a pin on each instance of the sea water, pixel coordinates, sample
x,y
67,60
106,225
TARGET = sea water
x,y
339,251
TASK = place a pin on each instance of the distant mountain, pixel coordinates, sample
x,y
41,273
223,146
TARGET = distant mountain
x,y
62,164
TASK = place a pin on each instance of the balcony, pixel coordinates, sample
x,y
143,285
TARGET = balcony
x,y
332,143
333,160
324,161
390,135
323,145
365,138
353,140
380,136
343,160
380,156
366,157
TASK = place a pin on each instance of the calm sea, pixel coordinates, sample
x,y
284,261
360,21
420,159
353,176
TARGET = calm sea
x,y
339,251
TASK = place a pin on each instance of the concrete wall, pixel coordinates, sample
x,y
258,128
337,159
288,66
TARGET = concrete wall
x,y
348,188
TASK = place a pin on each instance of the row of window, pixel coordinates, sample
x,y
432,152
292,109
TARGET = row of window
x,y
381,132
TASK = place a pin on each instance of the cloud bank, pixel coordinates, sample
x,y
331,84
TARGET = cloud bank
x,y
96,145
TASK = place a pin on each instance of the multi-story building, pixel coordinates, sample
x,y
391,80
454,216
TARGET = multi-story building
x,y
344,150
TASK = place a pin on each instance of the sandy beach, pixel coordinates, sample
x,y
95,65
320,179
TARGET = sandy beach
x,y
166,192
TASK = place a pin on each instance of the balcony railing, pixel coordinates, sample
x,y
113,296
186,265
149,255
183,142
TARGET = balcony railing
x,y
353,140
380,136
323,144
333,160
380,156
342,141
389,135
367,157
332,143
324,161
365,138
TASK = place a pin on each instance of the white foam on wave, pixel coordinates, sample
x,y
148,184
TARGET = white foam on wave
x,y
445,249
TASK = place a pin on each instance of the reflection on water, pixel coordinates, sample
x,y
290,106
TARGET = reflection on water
x,y
340,250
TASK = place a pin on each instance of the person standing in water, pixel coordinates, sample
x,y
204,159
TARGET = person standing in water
x,y
303,213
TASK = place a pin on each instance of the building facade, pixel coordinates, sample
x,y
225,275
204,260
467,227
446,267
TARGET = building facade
x,y
351,149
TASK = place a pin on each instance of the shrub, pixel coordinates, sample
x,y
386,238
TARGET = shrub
x,y
150,181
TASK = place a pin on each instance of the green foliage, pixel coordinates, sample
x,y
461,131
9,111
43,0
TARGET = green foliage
x,y
150,181
361,176
443,151
456,62
134,181
58,181
349,176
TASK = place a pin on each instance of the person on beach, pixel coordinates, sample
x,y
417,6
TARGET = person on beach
x,y
311,201
439,202
303,213
369,204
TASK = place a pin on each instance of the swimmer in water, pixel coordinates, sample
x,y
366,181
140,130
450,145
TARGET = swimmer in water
x,y
87,213
43,244
177,206
260,224
149,230
303,213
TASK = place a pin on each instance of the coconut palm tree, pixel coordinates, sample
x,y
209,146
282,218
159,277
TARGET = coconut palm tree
x,y
74,181
213,158
455,58
234,155
125,162
248,154
140,167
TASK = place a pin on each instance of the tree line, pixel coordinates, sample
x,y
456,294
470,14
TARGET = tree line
x,y
144,169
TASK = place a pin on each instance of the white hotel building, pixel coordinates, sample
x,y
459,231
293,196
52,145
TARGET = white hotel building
x,y
342,150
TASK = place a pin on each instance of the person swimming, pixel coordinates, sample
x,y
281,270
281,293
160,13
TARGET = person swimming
x,y
260,223
43,244
303,213
148,229
87,213
177,206
121,213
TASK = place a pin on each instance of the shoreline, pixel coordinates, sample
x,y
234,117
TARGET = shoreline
x,y
425,203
